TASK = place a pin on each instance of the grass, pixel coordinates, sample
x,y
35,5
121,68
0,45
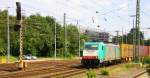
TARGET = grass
x,y
120,68
128,66
3,59
104,72
91,73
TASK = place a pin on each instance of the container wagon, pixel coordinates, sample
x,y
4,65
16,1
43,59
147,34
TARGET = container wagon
x,y
98,53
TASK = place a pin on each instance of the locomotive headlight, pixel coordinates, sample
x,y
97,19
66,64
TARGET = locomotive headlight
x,y
96,57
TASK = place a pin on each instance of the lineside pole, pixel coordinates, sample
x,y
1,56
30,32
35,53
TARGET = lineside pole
x,y
8,37
79,37
65,35
55,41
137,31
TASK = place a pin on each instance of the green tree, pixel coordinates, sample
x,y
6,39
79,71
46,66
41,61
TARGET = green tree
x,y
147,42
128,39
38,36
72,39
3,27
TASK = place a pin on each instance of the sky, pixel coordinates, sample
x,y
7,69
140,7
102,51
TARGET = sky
x,y
110,15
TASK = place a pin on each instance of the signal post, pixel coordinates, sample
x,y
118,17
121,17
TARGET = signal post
x,y
18,27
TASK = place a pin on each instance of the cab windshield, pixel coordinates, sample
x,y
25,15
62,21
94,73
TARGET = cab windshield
x,y
91,47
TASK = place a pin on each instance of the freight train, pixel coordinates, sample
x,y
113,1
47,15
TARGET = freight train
x,y
99,54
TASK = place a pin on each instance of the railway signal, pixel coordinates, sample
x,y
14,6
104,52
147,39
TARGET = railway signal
x,y
18,27
18,5
18,17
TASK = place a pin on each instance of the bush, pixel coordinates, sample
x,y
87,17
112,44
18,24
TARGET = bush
x,y
70,56
147,60
2,51
91,73
3,59
104,72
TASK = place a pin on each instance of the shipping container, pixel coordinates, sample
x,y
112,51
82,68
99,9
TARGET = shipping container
x,y
118,53
130,50
110,52
123,50
126,50
143,51
149,50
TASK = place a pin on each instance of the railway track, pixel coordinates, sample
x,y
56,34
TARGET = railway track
x,y
139,74
28,73
62,73
45,69
4,68
48,69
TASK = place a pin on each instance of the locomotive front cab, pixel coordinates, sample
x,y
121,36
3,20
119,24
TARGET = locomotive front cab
x,y
91,54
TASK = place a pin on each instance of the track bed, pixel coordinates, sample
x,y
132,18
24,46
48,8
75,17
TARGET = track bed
x,y
43,69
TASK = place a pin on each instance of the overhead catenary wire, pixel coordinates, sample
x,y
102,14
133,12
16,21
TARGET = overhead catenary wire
x,y
73,19
112,11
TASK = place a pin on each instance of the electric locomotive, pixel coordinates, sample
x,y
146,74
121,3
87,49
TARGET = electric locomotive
x,y
98,53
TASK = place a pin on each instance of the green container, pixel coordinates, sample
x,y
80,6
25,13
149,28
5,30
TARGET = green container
x,y
117,50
